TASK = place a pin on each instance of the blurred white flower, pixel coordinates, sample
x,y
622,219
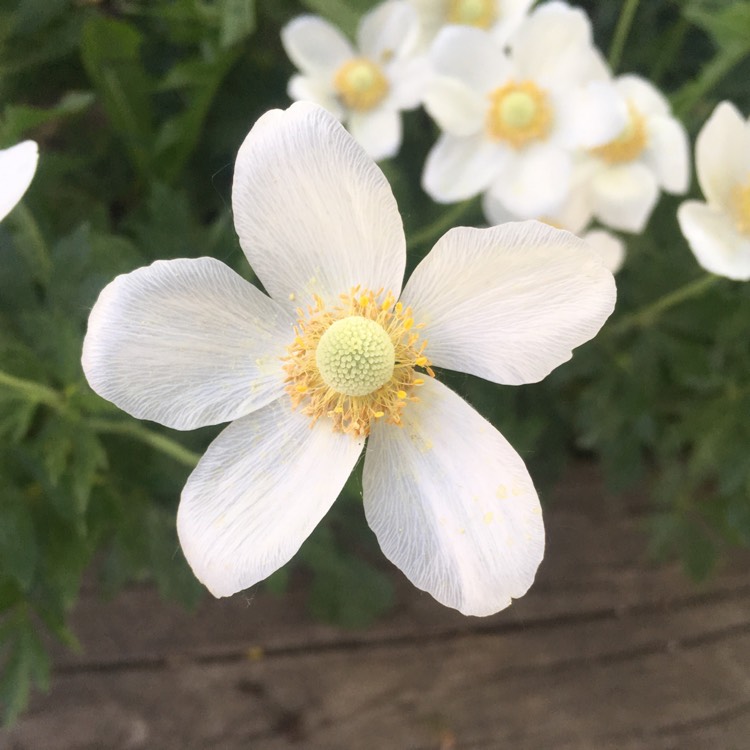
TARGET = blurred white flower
x,y
650,153
331,357
719,231
511,122
575,217
500,17
17,167
367,87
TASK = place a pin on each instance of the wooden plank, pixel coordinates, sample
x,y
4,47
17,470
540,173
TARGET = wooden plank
x,y
606,651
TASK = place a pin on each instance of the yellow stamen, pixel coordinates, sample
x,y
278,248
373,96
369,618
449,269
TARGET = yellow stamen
x,y
355,362
360,84
629,145
740,205
480,13
519,113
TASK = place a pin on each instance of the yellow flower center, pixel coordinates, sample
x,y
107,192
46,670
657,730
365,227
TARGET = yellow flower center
x,y
356,361
740,203
481,13
360,84
629,144
519,113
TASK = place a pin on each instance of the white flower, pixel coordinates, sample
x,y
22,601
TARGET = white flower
x,y
500,17
330,357
17,167
650,153
366,87
719,231
574,216
511,122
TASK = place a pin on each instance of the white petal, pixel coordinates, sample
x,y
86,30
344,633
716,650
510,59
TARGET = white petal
x,y
611,249
457,109
623,196
471,56
378,132
316,90
509,303
646,98
313,212
432,16
460,168
452,504
17,167
535,181
591,115
553,46
315,46
261,488
186,343
408,80
512,14
722,154
715,241
390,30
574,215
668,153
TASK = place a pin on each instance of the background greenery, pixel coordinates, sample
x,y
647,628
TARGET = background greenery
x,y
139,107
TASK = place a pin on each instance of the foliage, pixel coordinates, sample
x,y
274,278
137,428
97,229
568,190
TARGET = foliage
x,y
139,107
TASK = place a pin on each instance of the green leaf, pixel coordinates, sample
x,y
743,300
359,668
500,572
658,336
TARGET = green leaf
x,y
237,21
728,23
18,548
27,664
346,590
18,120
110,51
345,15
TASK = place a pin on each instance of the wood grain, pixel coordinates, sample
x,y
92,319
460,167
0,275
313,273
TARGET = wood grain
x,y
606,651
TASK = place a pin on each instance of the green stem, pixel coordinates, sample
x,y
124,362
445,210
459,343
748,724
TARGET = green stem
x,y
162,443
447,220
33,391
622,30
692,93
647,315
673,42
33,245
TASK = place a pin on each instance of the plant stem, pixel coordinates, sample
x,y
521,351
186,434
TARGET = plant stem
x,y
442,224
622,30
648,314
33,391
673,42
162,443
33,246
692,93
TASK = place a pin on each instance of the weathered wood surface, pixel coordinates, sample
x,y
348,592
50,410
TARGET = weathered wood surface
x,y
606,651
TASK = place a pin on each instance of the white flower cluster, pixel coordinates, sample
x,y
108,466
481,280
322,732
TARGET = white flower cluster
x,y
530,115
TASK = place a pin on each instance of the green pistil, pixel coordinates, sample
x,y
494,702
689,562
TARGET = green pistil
x,y
355,356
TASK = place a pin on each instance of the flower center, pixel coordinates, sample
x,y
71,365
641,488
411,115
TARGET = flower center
x,y
740,202
355,362
355,356
360,84
519,113
629,145
481,13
